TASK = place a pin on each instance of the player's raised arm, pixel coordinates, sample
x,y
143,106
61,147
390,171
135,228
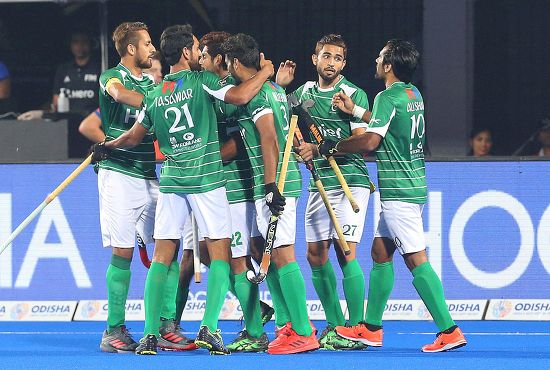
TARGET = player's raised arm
x,y
285,73
121,94
244,92
346,105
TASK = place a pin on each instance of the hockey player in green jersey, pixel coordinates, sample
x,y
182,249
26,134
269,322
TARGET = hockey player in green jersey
x,y
329,60
127,183
396,133
180,113
264,132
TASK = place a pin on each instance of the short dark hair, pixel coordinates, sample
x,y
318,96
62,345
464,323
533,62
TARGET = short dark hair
x,y
173,40
214,41
403,57
244,48
125,34
331,39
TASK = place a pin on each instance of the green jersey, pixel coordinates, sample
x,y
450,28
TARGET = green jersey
x,y
336,125
181,114
238,172
271,99
117,118
398,116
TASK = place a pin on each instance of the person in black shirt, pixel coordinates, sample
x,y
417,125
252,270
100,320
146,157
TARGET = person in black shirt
x,y
77,79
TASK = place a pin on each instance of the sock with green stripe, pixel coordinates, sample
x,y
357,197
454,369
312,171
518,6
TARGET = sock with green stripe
x,y
324,282
380,287
294,293
354,291
249,297
429,287
118,282
282,315
216,290
154,291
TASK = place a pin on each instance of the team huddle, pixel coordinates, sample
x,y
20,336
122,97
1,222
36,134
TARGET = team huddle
x,y
230,180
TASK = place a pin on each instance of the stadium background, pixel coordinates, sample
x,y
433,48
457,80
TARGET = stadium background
x,y
493,72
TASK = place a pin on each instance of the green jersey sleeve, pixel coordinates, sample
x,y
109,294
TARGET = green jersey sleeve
x,y
108,77
144,118
383,113
360,99
212,84
259,106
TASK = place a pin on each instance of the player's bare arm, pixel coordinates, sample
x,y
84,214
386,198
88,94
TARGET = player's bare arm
x,y
363,143
229,149
270,146
346,105
90,127
122,95
129,139
285,73
243,93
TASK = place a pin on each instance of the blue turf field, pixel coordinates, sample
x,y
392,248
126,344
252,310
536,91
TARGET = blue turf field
x,y
492,345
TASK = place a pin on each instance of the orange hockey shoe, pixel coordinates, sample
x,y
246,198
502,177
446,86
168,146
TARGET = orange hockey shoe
x,y
360,333
446,341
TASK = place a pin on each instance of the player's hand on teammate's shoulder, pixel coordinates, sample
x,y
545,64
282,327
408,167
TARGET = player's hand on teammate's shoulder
x,y
266,65
308,151
274,199
285,73
99,152
343,102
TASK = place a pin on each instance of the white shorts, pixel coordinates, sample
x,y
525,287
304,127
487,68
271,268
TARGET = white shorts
x,y
318,223
402,223
211,210
126,206
286,226
187,238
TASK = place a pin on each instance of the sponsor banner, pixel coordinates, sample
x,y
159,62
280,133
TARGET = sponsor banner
x,y
96,310
315,309
518,309
37,310
416,310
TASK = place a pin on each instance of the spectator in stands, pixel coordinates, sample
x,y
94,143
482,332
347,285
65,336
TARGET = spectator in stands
x,y
77,79
90,127
481,143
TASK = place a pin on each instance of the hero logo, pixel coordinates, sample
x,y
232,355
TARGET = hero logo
x,y
502,309
90,309
19,311
188,136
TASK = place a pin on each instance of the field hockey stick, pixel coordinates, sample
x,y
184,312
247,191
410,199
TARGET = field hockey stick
x,y
321,189
302,111
196,250
272,226
46,201
143,256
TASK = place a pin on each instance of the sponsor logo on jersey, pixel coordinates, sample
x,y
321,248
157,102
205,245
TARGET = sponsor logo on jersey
x,y
170,86
89,77
67,79
410,94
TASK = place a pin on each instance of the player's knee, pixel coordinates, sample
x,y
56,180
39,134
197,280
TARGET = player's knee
x,y
316,257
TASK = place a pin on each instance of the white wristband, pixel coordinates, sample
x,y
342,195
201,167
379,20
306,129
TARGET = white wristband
x,y
358,112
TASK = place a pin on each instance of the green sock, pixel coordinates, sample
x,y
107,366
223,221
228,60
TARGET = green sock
x,y
294,292
232,284
429,287
282,315
168,310
380,287
354,291
181,301
249,296
118,282
324,282
218,282
155,285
